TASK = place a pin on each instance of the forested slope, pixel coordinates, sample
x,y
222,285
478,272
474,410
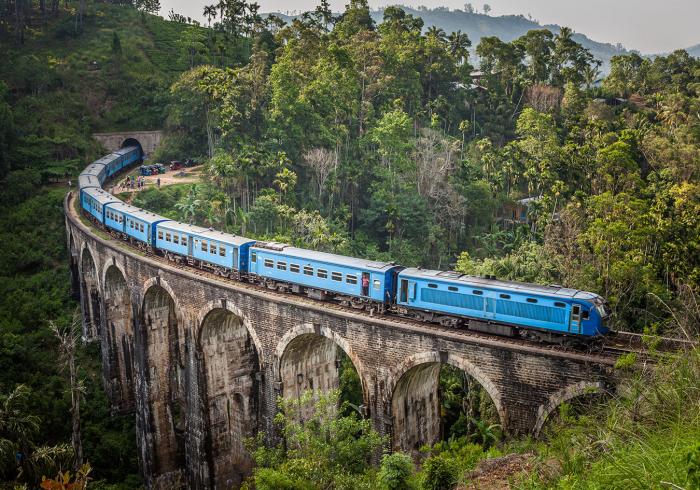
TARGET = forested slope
x,y
350,136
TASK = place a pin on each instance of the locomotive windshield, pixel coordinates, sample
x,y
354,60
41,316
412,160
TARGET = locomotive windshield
x,y
602,308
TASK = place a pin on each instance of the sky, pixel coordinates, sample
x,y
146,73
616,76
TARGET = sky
x,y
644,25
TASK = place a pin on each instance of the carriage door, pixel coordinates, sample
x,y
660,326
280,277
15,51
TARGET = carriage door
x,y
490,307
575,319
365,284
235,259
404,291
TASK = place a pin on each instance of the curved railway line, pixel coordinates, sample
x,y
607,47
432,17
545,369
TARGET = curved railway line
x,y
603,352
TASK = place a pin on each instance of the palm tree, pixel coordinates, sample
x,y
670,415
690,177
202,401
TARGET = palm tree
x,y
437,33
459,44
591,74
209,13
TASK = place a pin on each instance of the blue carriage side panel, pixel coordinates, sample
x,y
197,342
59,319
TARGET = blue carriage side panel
x,y
542,307
327,272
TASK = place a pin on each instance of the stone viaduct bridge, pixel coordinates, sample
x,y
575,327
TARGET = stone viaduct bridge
x,y
201,361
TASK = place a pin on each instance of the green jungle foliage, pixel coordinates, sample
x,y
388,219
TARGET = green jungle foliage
x,y
374,139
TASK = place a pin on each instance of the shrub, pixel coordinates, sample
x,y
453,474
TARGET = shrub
x,y
439,473
395,471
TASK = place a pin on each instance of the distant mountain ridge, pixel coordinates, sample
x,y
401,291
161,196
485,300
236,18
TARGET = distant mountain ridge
x,y
694,50
505,27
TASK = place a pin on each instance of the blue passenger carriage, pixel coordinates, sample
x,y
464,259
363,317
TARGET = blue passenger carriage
x,y
320,275
501,307
96,171
87,180
93,200
132,223
122,158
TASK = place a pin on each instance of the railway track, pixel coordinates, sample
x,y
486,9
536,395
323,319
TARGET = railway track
x,y
607,351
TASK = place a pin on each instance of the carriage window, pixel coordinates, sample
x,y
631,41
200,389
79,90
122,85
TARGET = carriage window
x,y
294,268
322,273
269,263
531,300
184,241
431,285
576,310
336,276
309,271
141,227
254,257
559,304
160,234
505,296
212,248
167,237
222,251
377,284
452,288
176,239
204,246
282,266
477,292
350,279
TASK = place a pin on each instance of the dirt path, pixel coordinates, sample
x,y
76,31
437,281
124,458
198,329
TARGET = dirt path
x,y
184,176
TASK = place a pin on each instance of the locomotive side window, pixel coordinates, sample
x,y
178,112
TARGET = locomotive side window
x,y
308,271
294,268
254,257
477,292
431,285
576,310
336,276
531,300
505,296
351,279
322,273
269,263
559,304
585,315
453,288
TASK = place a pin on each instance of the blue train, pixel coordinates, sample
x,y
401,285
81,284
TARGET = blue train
x,y
546,313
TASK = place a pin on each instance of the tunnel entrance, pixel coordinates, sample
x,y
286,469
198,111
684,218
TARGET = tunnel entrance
x,y
90,294
435,401
163,379
132,142
119,322
230,365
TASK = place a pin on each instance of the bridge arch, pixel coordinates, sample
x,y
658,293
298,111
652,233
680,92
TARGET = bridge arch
x,y
564,395
307,358
161,323
415,405
230,391
119,333
74,267
91,300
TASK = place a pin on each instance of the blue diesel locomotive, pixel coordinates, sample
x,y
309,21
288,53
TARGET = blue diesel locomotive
x,y
546,313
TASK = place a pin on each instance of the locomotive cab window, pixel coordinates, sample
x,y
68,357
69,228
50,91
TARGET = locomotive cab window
x,y
431,285
336,276
585,315
322,273
477,292
504,296
531,300
294,268
453,288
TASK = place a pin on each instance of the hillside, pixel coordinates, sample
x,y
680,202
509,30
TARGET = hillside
x,y
505,27
694,50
